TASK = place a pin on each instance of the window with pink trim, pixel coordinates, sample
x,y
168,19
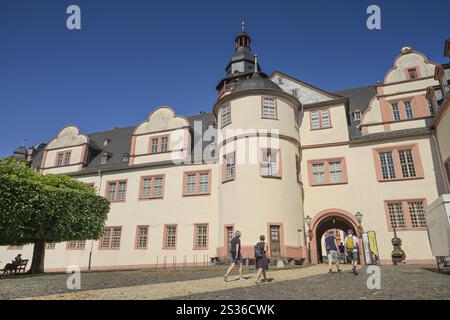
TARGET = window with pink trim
x,y
398,163
229,167
158,144
327,171
406,214
111,238
116,190
170,236
50,246
320,119
201,236
141,237
270,163
76,245
63,158
197,183
152,187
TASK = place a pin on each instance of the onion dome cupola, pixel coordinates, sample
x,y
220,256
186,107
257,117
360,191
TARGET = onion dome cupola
x,y
240,66
20,154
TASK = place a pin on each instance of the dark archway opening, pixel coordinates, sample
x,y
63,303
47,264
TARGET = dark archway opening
x,y
329,223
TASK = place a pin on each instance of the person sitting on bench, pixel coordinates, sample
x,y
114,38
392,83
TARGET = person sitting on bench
x,y
12,267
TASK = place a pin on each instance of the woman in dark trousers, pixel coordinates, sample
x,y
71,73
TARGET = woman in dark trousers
x,y
262,263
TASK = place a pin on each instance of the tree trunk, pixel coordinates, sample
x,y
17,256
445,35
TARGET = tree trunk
x,y
37,264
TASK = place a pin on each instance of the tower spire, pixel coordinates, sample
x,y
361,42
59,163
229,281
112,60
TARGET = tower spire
x,y
242,26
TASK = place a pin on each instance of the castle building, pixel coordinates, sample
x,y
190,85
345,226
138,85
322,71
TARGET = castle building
x,y
275,157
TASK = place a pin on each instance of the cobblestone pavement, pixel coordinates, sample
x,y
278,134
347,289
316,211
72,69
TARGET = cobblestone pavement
x,y
397,282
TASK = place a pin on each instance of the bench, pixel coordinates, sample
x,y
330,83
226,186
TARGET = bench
x,y
21,267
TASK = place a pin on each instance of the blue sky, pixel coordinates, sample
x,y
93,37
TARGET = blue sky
x,y
132,56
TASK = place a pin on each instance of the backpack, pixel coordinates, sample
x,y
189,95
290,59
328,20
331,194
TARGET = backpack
x,y
349,244
259,250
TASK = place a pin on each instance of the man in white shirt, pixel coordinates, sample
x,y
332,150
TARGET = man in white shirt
x,y
351,249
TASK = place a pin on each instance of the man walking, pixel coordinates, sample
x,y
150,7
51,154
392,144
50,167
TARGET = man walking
x,y
332,251
235,256
351,248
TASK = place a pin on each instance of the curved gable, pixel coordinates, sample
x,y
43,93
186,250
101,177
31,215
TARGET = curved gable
x,y
68,136
161,119
409,59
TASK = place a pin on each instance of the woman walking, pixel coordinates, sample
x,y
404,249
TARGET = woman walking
x,y
262,263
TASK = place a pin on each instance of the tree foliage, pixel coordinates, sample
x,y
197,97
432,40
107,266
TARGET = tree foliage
x,y
51,208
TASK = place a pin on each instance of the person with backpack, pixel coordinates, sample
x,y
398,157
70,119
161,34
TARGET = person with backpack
x,y
331,245
235,256
351,249
262,263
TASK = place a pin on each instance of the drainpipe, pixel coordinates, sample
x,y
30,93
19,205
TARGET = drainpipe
x,y
441,163
92,241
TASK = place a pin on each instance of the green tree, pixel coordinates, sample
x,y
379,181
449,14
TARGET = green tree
x,y
39,209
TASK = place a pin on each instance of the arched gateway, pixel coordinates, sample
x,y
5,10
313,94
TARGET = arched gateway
x,y
332,219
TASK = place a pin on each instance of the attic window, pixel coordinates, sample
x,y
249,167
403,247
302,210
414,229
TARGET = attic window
x,y
356,115
125,157
106,142
104,159
412,73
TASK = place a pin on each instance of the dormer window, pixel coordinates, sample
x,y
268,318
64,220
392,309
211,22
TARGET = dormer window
x,y
104,158
295,92
356,115
63,159
106,142
125,157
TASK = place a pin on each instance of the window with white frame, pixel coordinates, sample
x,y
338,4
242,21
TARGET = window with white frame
x,y
170,235
201,236
320,119
230,166
154,146
407,163
270,163
152,187
116,190
63,159
142,237
164,144
318,172
226,115
111,238
396,111
387,165
50,245
76,244
356,115
269,108
196,183
335,169
409,110
417,214
396,215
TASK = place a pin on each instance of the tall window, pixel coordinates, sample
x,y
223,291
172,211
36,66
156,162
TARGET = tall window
x,y
201,236
396,215
269,108
111,238
430,107
229,166
152,187
409,110
142,237
63,159
116,190
396,112
154,147
270,164
387,165
417,214
196,183
170,236
327,171
226,115
357,115
164,144
407,163
76,245
320,119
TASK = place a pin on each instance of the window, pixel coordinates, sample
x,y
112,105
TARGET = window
x,y
295,92
126,157
106,142
196,183
159,144
408,110
116,190
76,245
50,246
111,238
269,108
412,73
15,247
327,171
63,159
407,163
170,236
229,171
201,236
142,237
430,107
226,115
398,163
270,163
396,112
357,115
396,215
152,187
406,214
387,165
104,158
417,214
320,119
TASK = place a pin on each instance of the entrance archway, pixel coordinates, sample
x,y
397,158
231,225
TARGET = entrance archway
x,y
332,219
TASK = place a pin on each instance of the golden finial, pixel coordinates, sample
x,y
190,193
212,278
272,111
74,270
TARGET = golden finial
x,y
406,49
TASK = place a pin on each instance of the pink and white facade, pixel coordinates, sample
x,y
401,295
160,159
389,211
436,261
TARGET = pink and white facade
x,y
274,151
